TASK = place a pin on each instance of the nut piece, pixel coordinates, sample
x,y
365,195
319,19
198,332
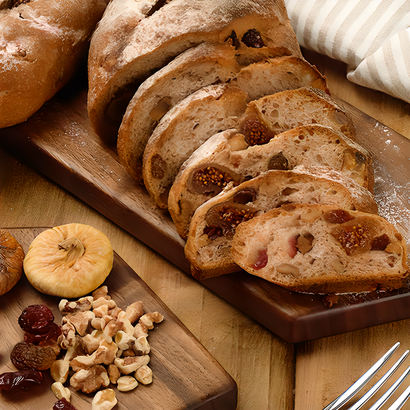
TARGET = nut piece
x,y
311,215
90,380
59,370
104,400
60,391
81,305
144,375
150,318
131,364
126,383
288,269
113,373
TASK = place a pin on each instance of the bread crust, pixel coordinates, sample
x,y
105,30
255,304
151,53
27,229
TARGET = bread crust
x,y
41,44
227,152
132,42
209,253
268,247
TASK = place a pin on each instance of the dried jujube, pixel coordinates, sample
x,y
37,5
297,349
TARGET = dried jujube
x,y
51,335
21,380
36,319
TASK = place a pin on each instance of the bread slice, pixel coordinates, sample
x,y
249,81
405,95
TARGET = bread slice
x,y
197,67
183,129
135,38
213,223
262,120
322,249
291,108
227,157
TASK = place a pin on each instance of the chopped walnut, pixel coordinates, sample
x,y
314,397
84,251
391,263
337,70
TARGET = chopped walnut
x,y
81,305
131,364
150,318
113,373
105,354
90,380
59,370
126,383
101,292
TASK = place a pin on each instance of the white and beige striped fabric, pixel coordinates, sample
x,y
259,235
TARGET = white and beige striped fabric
x,y
371,36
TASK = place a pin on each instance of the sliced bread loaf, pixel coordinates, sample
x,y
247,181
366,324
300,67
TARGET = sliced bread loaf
x,y
262,120
214,223
197,67
227,157
322,249
137,37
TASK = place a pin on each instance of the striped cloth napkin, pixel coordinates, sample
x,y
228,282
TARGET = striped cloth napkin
x,y
371,36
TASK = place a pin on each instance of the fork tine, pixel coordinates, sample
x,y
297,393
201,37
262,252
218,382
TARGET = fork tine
x,y
399,403
361,382
380,383
391,390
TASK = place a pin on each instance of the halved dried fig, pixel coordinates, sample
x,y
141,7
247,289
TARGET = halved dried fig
x,y
69,261
11,261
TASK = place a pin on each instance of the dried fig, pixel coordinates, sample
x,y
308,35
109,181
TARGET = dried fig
x,y
69,261
11,261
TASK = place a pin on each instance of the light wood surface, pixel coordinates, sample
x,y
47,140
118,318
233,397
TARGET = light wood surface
x,y
270,373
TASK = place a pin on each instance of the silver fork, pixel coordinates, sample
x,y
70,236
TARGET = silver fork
x,y
363,380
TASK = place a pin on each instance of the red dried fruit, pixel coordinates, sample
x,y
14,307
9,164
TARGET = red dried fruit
x,y
292,251
30,356
380,243
338,216
21,380
213,232
36,319
63,404
252,38
262,260
51,335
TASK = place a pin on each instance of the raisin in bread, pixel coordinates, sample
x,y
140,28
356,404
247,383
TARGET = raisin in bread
x,y
135,38
322,249
227,157
214,223
171,149
197,67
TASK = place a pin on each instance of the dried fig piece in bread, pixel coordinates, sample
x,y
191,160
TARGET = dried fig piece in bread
x,y
214,222
11,261
349,251
228,151
133,40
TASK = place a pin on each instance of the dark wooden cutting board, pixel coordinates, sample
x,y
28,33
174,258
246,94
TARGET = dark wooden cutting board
x,y
59,142
186,376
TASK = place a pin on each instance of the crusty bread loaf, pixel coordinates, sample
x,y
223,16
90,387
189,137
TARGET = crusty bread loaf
x,y
183,129
322,249
213,223
291,108
41,45
262,120
197,67
227,157
137,37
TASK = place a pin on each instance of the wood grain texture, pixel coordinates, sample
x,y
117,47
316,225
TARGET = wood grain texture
x,y
260,362
186,376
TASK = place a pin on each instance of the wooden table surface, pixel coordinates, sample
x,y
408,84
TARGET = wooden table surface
x,y
270,373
